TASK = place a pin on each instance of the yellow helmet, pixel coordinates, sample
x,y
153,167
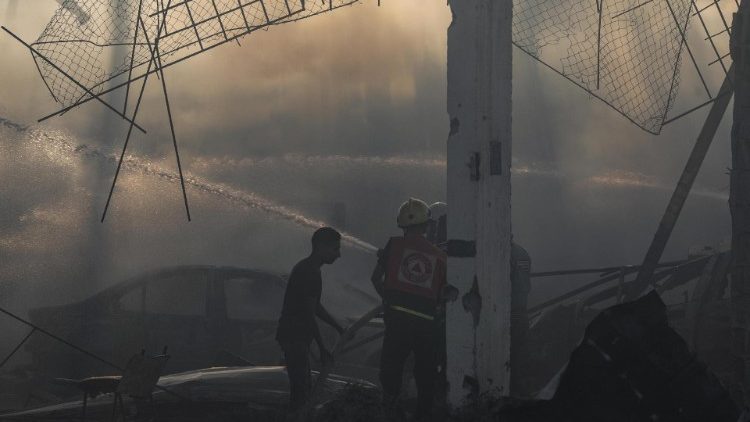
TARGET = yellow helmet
x,y
413,212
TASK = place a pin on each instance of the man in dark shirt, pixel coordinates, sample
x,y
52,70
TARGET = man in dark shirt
x,y
297,324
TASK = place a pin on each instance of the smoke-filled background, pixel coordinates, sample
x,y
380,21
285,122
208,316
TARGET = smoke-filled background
x,y
346,110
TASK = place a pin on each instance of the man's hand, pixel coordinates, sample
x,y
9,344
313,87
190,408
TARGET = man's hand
x,y
345,334
326,358
323,314
449,293
377,279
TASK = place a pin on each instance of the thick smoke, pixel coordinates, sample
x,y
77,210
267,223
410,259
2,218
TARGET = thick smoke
x,y
346,108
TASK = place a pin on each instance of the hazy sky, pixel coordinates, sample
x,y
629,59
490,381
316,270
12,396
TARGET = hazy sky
x,y
345,107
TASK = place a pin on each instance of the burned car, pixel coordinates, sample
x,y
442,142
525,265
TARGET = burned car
x,y
206,315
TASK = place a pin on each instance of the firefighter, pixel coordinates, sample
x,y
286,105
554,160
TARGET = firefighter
x,y
410,276
437,229
520,272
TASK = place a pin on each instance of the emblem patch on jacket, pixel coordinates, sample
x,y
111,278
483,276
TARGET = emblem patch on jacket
x,y
417,268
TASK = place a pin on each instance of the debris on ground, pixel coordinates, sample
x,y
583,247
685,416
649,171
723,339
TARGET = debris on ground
x,y
632,366
356,403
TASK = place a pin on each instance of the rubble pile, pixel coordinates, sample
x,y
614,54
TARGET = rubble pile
x,y
356,403
486,408
632,366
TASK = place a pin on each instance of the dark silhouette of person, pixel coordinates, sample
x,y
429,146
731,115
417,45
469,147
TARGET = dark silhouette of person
x,y
298,325
520,282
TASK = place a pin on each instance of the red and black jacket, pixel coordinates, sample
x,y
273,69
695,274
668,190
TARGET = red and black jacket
x,y
415,275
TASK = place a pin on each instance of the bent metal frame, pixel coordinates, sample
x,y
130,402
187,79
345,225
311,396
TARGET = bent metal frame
x,y
81,36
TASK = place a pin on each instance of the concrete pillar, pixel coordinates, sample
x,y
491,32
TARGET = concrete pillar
x,y
739,205
479,152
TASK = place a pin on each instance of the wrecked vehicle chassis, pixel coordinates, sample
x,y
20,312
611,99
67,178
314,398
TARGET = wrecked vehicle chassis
x,y
213,394
206,315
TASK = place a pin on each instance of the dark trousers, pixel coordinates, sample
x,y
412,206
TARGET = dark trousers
x,y
405,334
519,363
297,356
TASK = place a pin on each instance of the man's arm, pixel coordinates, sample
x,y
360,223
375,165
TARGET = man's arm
x,y
378,273
323,314
310,306
377,278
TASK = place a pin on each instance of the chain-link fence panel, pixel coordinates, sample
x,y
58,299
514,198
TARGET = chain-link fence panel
x,y
625,52
95,42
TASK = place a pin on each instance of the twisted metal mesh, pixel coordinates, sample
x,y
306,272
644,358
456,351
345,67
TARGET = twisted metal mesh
x,y
625,52
97,42
628,55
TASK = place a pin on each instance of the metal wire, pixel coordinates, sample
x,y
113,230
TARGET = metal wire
x,y
82,49
624,52
36,328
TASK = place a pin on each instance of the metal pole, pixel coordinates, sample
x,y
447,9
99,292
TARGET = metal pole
x,y
603,271
682,190
79,349
604,280
132,56
600,9
681,28
151,62
171,121
10,355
